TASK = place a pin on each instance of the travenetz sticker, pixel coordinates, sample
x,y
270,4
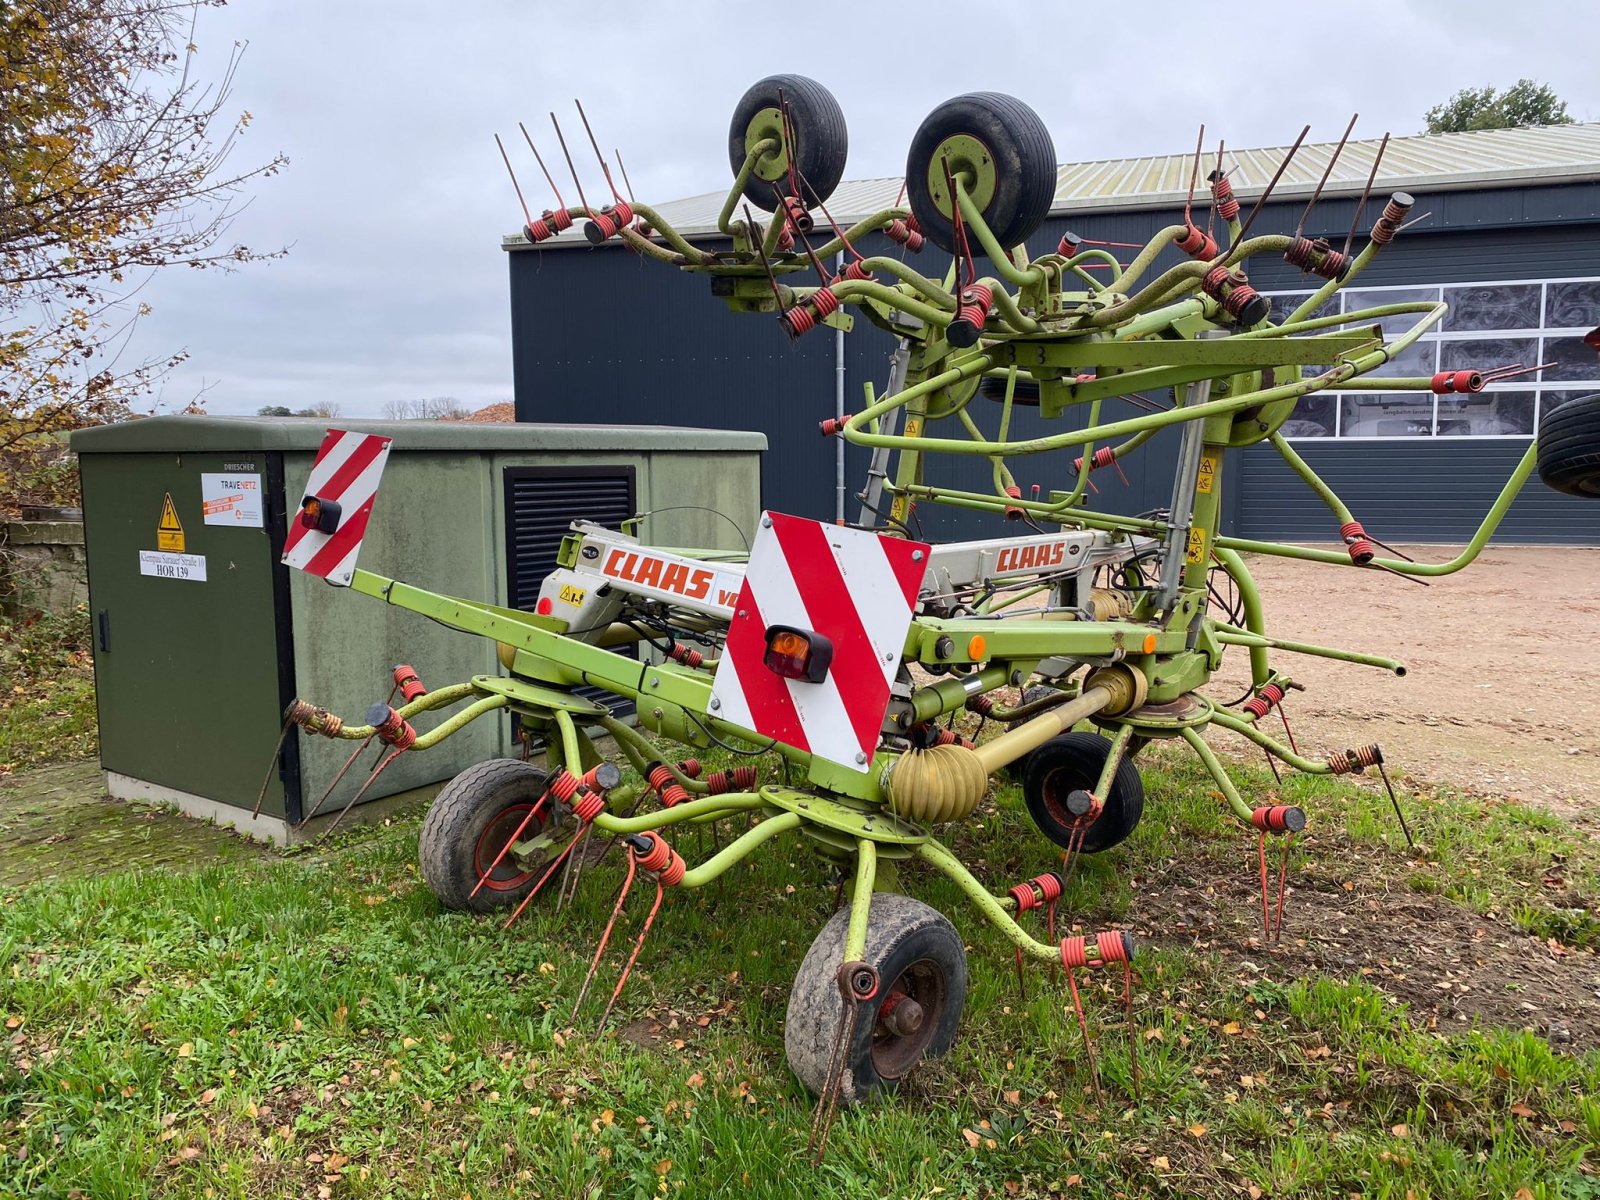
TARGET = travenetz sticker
x,y
229,499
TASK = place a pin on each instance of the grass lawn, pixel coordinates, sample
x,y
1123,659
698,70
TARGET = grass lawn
x,y
315,1025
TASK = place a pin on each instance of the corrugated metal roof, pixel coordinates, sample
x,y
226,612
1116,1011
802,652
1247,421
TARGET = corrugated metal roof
x,y
1487,158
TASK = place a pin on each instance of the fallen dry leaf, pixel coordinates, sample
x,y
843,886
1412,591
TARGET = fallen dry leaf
x,y
1197,1130
973,1140
1400,1131
697,1080
1162,1163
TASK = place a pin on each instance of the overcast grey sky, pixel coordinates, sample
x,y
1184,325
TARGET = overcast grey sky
x,y
395,199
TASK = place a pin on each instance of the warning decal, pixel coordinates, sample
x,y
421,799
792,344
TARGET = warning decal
x,y
1197,546
1208,473
169,530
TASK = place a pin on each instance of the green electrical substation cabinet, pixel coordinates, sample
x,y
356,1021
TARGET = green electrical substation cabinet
x,y
202,636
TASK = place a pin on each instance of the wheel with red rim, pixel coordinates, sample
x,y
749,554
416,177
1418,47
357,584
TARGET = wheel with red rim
x,y
1072,762
472,820
922,988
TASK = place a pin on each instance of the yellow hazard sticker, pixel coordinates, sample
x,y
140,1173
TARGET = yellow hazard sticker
x,y
169,530
572,595
1208,473
913,426
1197,546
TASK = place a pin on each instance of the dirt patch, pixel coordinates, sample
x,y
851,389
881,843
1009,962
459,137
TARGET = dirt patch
x,y
1453,967
1501,659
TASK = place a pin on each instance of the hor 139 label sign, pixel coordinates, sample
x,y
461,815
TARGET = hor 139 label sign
x,y
162,565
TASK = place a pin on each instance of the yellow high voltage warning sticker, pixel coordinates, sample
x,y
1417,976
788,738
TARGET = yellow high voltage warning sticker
x,y
169,530
1208,473
1196,552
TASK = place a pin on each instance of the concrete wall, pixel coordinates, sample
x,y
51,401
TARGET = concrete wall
x,y
42,567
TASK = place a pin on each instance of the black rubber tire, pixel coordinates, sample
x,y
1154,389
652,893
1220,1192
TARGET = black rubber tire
x,y
448,848
1071,762
1024,158
1569,447
904,937
1024,395
822,142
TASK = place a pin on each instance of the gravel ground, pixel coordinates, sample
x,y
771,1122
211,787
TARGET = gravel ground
x,y
1502,693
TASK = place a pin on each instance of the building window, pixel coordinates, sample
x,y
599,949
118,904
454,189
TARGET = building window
x,y
1489,325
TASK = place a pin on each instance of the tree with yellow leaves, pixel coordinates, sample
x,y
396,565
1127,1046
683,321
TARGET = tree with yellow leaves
x,y
114,163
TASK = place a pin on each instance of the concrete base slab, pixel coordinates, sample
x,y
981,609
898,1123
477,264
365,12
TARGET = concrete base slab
x,y
275,830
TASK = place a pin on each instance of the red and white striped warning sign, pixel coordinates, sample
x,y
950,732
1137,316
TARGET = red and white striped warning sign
x,y
346,471
854,588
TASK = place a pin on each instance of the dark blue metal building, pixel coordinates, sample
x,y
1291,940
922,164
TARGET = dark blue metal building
x,y
1511,241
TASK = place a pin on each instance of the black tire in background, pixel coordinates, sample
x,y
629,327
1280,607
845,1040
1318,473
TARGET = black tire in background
x,y
1073,762
913,948
468,823
1569,447
1021,156
822,143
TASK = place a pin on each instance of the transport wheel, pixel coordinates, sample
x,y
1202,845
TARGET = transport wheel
x,y
1569,447
1003,151
821,142
922,988
1073,762
469,823
1024,395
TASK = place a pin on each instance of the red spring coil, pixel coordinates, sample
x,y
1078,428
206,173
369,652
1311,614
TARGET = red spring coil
x,y
1103,457
666,784
1041,889
563,785
1198,244
1069,245
1355,541
1231,289
902,233
972,311
607,221
1447,382
1393,216
1222,196
833,426
394,730
690,767
1114,945
1262,702
982,705
591,777
785,242
588,806
1279,818
313,719
1013,512
558,219
949,737
856,271
1343,762
803,317
739,779
796,216
686,655
666,862
538,230
405,678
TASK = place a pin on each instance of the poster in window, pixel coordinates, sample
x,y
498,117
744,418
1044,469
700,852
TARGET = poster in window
x,y
1387,415
1486,414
